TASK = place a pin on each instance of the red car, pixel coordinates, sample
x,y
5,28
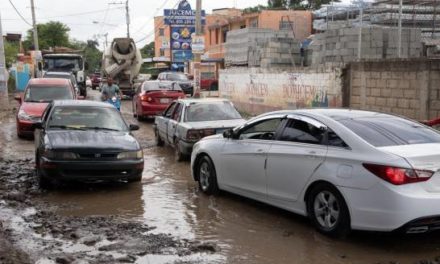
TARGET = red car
x,y
153,97
96,80
37,95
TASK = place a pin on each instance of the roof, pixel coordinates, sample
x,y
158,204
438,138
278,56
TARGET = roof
x,y
189,101
49,81
335,114
58,73
82,103
62,55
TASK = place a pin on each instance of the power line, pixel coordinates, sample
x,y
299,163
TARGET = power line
x,y
156,30
19,13
152,17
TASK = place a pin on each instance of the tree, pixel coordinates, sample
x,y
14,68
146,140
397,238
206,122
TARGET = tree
x,y
50,34
277,4
148,50
11,51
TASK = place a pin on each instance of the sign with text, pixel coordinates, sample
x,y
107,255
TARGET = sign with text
x,y
181,43
198,44
183,15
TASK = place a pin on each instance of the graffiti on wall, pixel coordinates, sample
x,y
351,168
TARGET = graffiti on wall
x,y
262,91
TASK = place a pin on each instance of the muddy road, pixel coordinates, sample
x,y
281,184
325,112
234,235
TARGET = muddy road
x,y
165,219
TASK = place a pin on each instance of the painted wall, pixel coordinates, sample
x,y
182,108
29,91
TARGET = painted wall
x,y
255,91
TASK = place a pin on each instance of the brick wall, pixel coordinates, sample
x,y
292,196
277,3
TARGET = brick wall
x,y
408,87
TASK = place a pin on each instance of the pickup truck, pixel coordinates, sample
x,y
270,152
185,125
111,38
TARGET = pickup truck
x,y
186,121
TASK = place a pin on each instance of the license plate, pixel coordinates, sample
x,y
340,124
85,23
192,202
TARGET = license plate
x,y
164,100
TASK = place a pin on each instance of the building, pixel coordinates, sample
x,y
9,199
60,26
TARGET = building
x,y
221,21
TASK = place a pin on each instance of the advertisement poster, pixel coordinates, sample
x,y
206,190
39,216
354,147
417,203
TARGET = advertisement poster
x,y
181,43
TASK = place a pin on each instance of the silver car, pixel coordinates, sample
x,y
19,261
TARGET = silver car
x,y
186,121
343,169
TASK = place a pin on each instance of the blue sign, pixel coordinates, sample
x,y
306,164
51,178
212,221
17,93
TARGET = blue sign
x,y
184,15
182,22
181,43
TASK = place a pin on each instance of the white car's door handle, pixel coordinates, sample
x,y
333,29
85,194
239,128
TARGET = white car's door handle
x,y
260,151
311,155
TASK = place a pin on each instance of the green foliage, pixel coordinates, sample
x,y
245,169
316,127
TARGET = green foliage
x,y
148,50
50,34
11,51
255,9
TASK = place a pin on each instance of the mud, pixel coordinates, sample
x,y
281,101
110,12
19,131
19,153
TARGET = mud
x,y
166,219
46,235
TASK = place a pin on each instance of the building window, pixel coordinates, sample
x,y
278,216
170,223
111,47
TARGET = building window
x,y
286,25
243,26
254,23
162,53
161,32
225,33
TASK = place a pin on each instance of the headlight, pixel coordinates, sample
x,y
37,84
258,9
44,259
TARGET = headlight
x,y
60,155
131,155
22,115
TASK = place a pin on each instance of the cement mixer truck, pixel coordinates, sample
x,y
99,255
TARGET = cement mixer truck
x,y
122,61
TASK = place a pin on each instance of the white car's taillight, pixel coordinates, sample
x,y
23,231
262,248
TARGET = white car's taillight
x,y
398,176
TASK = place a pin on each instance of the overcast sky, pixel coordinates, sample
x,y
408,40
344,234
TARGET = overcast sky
x,y
88,19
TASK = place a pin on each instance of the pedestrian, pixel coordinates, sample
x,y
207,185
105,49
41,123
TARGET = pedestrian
x,y
110,90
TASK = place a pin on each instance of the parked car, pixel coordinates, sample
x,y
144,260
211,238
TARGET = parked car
x,y
86,141
186,84
96,80
343,169
208,81
37,95
186,121
151,98
63,75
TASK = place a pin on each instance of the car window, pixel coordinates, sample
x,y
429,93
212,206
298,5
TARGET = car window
x,y
177,77
47,94
334,140
170,110
302,132
160,86
177,112
211,111
99,118
261,130
391,131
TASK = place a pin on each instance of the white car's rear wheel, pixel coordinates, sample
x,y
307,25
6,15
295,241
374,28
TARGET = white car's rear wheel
x,y
328,211
207,176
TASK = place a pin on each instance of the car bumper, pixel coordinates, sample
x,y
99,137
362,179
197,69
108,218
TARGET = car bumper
x,y
153,110
90,171
389,208
25,128
186,147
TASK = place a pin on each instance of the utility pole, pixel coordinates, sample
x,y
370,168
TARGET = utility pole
x,y
34,24
198,56
4,102
127,18
127,14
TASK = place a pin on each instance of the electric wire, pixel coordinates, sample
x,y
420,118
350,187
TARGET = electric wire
x,y
18,13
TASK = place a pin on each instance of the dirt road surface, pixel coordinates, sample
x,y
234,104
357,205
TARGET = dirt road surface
x,y
166,219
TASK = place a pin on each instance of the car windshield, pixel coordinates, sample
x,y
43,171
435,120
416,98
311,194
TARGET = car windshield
x,y
210,111
157,86
86,118
66,64
177,77
391,131
47,93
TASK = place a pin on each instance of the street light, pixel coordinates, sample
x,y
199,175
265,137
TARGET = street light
x,y
105,24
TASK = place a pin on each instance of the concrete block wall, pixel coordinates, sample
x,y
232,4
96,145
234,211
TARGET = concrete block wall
x,y
252,46
407,87
342,45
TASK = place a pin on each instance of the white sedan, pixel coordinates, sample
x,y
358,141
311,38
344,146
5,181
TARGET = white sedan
x,y
343,169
